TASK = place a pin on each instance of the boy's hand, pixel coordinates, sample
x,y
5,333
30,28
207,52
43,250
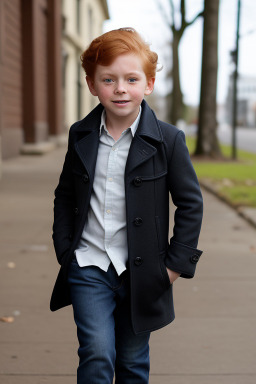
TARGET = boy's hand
x,y
172,275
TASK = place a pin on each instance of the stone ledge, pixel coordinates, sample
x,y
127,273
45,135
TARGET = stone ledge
x,y
59,140
37,148
248,214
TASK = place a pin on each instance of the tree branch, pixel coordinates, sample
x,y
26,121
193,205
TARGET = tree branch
x,y
172,10
183,13
200,14
184,23
188,23
159,4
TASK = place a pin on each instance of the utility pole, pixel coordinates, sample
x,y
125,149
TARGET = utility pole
x,y
235,77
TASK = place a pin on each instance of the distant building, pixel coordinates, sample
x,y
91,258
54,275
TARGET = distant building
x,y
82,22
246,106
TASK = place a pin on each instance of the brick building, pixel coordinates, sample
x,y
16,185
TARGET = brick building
x,y
40,45
30,56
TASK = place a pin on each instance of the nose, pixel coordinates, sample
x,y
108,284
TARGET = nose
x,y
120,87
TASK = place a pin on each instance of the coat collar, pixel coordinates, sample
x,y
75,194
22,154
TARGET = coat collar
x,y
91,122
87,132
142,147
148,125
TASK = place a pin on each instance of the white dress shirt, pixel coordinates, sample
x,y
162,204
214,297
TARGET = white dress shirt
x,y
104,238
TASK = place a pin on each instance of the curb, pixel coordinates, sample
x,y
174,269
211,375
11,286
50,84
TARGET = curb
x,y
248,214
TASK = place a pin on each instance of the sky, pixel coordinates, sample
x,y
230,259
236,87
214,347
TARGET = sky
x,y
146,17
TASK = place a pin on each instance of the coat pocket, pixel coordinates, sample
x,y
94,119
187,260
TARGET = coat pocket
x,y
165,275
162,246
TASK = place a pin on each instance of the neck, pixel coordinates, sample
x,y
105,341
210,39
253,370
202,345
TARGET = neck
x,y
119,124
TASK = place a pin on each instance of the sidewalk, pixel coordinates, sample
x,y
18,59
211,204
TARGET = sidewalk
x,y
212,340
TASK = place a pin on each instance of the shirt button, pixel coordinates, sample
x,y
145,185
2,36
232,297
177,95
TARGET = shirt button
x,y
110,179
108,211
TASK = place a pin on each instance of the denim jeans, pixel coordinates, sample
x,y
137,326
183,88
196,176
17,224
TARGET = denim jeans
x,y
107,343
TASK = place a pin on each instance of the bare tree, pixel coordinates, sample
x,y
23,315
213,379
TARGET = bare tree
x,y
177,32
207,142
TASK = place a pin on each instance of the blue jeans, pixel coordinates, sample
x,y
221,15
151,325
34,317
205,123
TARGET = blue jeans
x,y
107,343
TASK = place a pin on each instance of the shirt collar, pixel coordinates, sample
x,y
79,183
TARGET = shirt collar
x,y
133,127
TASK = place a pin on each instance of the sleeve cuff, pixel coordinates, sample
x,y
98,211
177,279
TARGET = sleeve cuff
x,y
182,258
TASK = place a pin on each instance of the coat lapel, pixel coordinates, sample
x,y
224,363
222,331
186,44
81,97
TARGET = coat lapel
x,y
140,151
87,146
142,146
87,150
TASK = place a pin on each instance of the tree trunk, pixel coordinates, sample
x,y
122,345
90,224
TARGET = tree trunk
x,y
207,142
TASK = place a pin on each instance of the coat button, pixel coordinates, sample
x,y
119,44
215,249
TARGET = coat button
x,y
137,181
85,178
194,259
138,221
70,236
138,261
76,211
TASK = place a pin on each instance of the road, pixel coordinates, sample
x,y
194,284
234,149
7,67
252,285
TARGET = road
x,y
246,137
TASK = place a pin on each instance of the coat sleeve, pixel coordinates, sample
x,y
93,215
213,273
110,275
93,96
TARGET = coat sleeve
x,y
64,207
183,254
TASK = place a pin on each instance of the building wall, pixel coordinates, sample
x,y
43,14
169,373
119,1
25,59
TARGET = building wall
x,y
82,22
42,85
41,46
30,60
11,78
35,75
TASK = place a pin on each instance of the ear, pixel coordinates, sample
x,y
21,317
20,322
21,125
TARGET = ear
x,y
90,84
150,86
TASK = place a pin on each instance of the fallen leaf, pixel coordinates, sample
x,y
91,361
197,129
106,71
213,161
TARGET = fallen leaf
x,y
8,319
227,182
250,182
35,248
11,265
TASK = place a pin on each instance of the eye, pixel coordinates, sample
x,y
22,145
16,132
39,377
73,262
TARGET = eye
x,y
132,80
108,81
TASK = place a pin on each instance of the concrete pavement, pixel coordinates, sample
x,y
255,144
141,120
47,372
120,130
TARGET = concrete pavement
x,y
212,340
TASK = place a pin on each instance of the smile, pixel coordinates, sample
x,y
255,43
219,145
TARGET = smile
x,y
121,102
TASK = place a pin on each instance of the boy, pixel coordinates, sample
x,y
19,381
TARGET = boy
x,y
111,215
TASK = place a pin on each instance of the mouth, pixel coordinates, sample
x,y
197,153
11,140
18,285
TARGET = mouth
x,y
121,101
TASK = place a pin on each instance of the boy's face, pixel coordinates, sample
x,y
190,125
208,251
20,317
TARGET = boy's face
x,y
121,87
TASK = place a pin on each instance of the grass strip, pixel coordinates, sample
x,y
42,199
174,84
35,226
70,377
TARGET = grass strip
x,y
233,180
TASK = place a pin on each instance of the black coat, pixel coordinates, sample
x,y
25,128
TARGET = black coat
x,y
158,163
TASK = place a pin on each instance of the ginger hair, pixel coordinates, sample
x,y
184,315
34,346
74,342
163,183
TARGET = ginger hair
x,y
104,49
